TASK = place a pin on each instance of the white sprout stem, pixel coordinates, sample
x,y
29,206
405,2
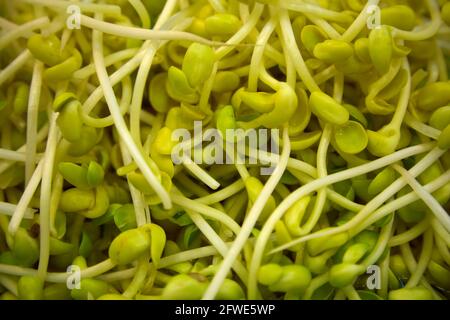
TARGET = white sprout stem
x,y
403,100
223,194
322,172
400,203
142,12
440,231
8,25
136,195
22,30
239,36
256,61
411,264
439,212
359,23
141,80
217,5
42,134
411,234
442,247
142,34
218,243
200,174
325,26
290,44
138,93
9,209
422,127
26,198
46,188
424,259
380,246
16,156
207,211
60,5
59,277
421,166
15,66
250,220
306,8
423,33
277,214
123,71
110,60
119,122
9,283
242,170
32,119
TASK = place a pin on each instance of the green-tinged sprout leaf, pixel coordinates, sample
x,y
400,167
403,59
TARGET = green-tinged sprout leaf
x,y
125,217
91,289
57,291
198,64
129,246
344,274
444,138
384,141
332,51
46,49
351,137
64,70
86,245
319,245
368,295
355,252
158,241
74,174
158,96
184,287
311,36
286,103
30,288
440,118
305,140
317,264
362,50
81,262
101,204
225,119
25,248
74,200
398,266
399,16
226,81
70,122
230,290
381,48
381,181
328,109
258,101
58,247
440,274
269,274
433,96
178,81
95,174
294,216
416,293
295,278
222,24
